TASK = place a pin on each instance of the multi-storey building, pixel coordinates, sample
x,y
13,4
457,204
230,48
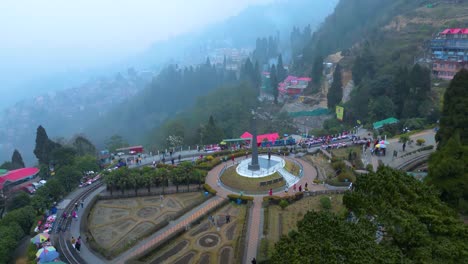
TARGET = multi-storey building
x,y
449,52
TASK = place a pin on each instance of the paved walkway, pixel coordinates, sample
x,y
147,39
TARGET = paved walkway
x,y
85,252
254,227
395,145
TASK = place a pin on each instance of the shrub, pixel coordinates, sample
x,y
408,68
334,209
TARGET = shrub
x,y
338,165
283,203
369,167
244,198
316,181
325,202
272,199
346,175
420,141
209,158
208,188
298,196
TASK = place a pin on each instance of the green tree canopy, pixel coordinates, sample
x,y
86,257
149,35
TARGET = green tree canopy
x,y
424,228
282,73
83,146
115,142
335,93
323,237
454,112
16,160
448,172
44,146
274,82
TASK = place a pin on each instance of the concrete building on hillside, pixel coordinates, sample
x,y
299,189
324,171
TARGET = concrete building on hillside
x,y
449,52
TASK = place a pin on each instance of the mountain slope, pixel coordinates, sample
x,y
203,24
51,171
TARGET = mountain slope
x,y
159,101
63,113
385,50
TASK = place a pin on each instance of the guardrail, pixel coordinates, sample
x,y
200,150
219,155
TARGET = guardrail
x,y
410,163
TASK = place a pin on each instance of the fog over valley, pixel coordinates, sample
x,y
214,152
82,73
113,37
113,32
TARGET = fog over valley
x,y
70,66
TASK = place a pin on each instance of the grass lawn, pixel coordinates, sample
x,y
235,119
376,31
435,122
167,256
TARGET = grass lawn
x,y
292,167
280,222
343,153
232,179
322,164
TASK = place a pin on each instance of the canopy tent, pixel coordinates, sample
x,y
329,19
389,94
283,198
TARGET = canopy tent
x,y
388,121
260,138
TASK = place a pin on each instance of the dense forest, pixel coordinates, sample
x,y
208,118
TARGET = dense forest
x,y
175,88
393,218
224,113
386,56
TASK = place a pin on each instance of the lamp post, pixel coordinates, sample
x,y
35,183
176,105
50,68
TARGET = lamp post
x,y
254,166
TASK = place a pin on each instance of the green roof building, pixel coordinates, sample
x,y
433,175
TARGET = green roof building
x,y
388,121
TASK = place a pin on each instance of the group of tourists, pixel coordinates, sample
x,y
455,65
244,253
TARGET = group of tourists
x,y
76,243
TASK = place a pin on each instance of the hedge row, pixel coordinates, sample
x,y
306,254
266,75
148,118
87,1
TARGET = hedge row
x,y
208,188
277,199
243,198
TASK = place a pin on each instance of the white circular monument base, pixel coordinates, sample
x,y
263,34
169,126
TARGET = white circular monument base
x,y
267,167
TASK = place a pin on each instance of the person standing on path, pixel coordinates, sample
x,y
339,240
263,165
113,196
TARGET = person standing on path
x,y
254,261
270,192
78,244
76,206
73,241
300,188
179,158
294,188
82,203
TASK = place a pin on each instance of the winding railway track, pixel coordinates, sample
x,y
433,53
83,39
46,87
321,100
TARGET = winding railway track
x,y
62,228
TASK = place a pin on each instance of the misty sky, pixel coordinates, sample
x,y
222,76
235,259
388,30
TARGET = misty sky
x,y
43,37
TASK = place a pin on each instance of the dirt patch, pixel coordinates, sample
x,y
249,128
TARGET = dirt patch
x,y
230,231
187,258
171,204
202,228
209,240
225,256
204,259
147,212
171,252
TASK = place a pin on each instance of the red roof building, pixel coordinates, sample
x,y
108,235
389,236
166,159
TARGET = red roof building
x,y
18,175
272,137
293,85
136,149
449,52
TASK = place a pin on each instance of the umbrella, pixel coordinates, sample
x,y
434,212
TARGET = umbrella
x,y
55,262
384,142
48,256
380,146
39,238
45,249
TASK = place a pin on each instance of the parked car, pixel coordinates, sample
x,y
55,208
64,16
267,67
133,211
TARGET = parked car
x,y
29,189
38,184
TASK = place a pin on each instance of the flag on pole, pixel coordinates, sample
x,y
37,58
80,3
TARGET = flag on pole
x,y
339,112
